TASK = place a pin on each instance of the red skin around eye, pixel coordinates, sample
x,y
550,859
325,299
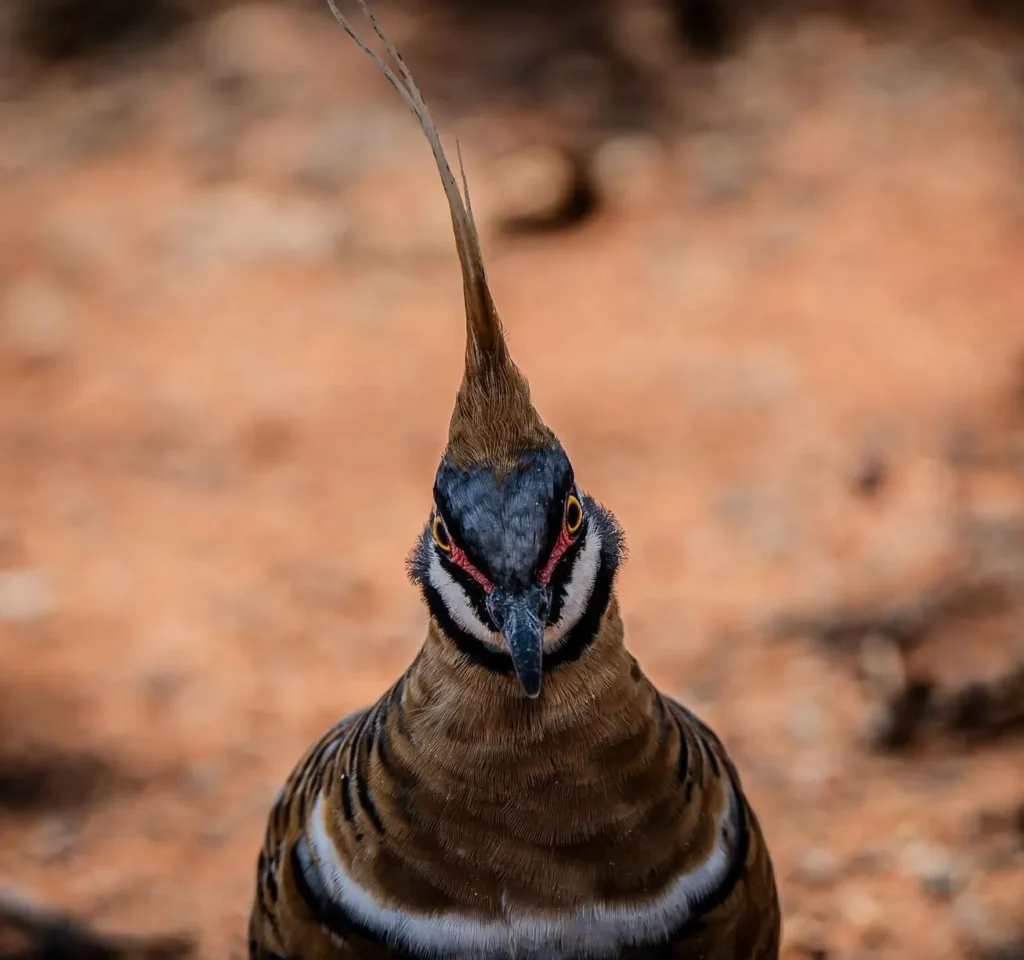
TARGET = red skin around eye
x,y
461,560
564,541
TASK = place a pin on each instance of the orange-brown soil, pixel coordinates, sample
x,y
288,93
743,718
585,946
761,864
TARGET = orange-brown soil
x,y
230,335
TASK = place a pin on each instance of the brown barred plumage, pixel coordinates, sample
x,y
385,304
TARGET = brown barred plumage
x,y
522,790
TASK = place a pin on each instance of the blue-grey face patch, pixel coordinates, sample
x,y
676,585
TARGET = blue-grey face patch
x,y
506,526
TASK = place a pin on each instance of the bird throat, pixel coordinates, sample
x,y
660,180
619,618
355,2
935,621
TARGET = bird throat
x,y
482,713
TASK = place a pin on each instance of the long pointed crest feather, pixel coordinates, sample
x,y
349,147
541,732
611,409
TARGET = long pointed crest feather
x,y
494,419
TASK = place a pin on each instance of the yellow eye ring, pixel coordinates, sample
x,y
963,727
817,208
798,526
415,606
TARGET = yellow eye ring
x,y
573,514
440,532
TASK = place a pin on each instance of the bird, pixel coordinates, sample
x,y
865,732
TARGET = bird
x,y
523,790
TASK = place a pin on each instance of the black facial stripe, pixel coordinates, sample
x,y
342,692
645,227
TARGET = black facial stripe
x,y
419,571
580,635
475,593
561,574
495,661
477,596
418,565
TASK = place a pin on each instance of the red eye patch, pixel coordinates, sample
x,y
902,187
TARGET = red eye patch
x,y
564,541
459,558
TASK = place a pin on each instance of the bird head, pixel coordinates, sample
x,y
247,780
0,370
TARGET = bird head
x,y
515,562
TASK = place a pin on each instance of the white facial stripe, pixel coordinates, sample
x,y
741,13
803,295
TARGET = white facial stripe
x,y
595,931
454,597
578,588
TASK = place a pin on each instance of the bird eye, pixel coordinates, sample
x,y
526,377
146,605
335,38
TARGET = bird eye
x,y
440,531
573,514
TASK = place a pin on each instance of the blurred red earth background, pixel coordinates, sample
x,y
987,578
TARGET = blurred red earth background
x,y
765,276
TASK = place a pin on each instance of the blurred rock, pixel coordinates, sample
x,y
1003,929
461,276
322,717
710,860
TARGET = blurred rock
x,y
881,729
12,549
89,32
934,867
8,52
26,596
996,839
40,933
105,118
396,233
977,929
239,225
871,474
229,58
215,833
994,531
35,322
805,722
75,245
866,917
203,779
348,143
870,861
629,171
80,124
962,444
803,937
813,773
987,822
767,377
818,867
645,33
162,684
724,167
892,724
881,666
737,504
54,840
208,138
251,52
268,439
535,184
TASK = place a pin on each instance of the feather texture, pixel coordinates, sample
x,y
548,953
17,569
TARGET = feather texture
x,y
494,419
471,812
454,820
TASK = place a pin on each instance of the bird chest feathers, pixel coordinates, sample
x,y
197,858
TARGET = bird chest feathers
x,y
523,790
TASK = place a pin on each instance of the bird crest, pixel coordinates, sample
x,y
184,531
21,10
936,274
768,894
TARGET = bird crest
x,y
494,421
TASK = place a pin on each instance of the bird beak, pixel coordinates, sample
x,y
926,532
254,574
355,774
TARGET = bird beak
x,y
521,617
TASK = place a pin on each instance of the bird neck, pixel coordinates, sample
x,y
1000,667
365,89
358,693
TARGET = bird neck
x,y
471,715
